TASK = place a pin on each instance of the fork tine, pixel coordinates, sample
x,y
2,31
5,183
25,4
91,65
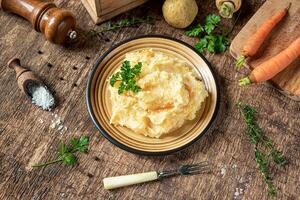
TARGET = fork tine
x,y
201,171
201,167
198,165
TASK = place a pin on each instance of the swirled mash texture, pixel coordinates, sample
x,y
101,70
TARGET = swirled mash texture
x,y
171,94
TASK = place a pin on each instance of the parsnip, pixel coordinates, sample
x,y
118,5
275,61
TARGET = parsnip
x,y
228,7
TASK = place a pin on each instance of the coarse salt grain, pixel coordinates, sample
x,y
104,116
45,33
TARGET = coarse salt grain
x,y
236,192
42,97
223,171
58,124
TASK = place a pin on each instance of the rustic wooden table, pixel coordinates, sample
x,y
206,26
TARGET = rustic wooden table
x,y
26,136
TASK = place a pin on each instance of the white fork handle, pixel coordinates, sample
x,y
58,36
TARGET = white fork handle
x,y
122,181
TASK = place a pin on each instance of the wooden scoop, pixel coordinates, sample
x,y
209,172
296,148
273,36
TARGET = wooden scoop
x,y
24,77
55,23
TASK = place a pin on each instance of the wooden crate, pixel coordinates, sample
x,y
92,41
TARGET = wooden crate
x,y
102,10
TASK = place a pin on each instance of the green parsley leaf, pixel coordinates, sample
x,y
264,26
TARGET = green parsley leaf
x,y
213,43
136,70
80,144
63,148
212,19
209,28
69,159
221,43
211,22
121,88
114,79
201,45
127,76
66,153
195,31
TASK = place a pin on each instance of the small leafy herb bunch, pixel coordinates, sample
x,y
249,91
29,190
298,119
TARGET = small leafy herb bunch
x,y
66,152
126,77
214,43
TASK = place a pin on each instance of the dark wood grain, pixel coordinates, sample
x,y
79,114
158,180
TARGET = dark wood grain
x,y
26,136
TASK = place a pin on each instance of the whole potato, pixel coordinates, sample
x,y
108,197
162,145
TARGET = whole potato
x,y
180,13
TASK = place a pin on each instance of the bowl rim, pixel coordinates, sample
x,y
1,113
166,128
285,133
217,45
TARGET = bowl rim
x,y
132,150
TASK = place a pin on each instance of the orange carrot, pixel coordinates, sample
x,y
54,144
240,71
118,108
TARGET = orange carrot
x,y
274,65
256,40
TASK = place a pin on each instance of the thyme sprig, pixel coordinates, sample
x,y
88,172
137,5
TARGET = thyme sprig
x,y
263,146
109,26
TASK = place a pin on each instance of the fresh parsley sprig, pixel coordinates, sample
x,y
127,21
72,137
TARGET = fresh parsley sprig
x,y
211,21
126,76
264,147
109,26
195,31
213,43
66,152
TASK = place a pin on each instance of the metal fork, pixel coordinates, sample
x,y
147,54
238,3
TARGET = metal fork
x,y
126,180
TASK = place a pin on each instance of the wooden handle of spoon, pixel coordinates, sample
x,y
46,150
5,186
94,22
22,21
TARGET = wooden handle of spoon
x,y
56,24
16,65
122,181
24,76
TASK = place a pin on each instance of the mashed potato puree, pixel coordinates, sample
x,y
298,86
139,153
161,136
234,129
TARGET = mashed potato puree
x,y
171,94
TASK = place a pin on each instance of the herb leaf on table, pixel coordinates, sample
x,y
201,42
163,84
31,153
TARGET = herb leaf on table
x,y
66,152
208,39
263,146
109,26
195,31
211,21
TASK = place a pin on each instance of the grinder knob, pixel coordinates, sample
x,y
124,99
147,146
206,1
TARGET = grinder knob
x,y
55,23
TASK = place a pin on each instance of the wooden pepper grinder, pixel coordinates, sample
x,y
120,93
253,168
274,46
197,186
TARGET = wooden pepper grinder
x,y
56,24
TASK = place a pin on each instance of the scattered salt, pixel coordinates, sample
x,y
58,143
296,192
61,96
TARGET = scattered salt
x,y
57,123
62,194
236,194
223,171
41,121
60,127
41,96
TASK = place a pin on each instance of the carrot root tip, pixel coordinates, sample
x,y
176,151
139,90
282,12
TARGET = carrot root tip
x,y
244,81
240,62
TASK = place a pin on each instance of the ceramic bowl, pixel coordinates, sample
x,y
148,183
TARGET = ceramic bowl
x,y
99,107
